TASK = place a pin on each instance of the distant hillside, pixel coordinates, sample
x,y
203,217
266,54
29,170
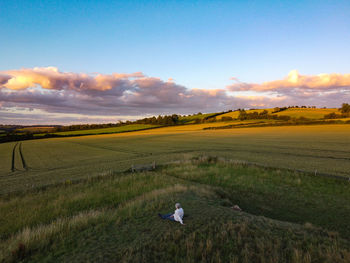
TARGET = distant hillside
x,y
125,128
195,117
257,118
310,113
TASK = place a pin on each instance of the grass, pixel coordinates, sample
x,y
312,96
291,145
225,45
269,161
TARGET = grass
x,y
125,128
68,199
309,113
324,148
193,118
113,218
235,114
283,195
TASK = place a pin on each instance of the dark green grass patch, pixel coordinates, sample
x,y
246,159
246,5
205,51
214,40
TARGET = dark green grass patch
x,y
287,217
274,193
213,233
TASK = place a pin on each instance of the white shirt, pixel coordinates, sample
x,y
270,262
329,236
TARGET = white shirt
x,y
178,215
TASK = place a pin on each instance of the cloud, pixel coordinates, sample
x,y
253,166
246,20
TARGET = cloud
x,y
321,90
4,79
51,78
296,82
97,94
80,96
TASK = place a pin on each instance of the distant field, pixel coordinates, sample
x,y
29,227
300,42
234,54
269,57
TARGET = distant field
x,y
235,114
325,148
36,129
125,128
192,118
307,113
292,112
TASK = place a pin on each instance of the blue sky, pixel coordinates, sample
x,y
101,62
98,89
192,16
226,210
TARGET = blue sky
x,y
200,44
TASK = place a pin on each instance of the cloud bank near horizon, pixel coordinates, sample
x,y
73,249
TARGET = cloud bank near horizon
x,y
322,90
47,95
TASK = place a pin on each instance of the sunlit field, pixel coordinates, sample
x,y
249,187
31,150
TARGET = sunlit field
x,y
309,113
325,148
235,114
126,128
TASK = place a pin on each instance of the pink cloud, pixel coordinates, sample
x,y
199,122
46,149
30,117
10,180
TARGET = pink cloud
x,y
322,82
135,94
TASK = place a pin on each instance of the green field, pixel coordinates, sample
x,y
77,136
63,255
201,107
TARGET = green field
x,y
325,148
235,114
125,128
192,118
67,199
309,113
113,218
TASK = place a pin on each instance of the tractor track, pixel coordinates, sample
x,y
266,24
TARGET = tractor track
x,y
18,146
13,158
24,165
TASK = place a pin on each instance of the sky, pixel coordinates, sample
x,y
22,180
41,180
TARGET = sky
x,y
64,62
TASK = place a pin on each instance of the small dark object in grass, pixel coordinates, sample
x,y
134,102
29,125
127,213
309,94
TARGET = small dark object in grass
x,y
20,252
236,208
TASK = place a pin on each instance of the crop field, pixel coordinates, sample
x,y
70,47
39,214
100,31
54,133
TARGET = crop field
x,y
292,112
192,118
307,113
126,128
235,114
314,148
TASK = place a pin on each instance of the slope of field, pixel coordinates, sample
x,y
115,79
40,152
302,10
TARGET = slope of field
x,y
125,128
325,148
113,218
292,112
192,118
307,113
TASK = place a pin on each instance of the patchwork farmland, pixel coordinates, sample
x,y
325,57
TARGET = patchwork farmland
x,y
79,202
29,164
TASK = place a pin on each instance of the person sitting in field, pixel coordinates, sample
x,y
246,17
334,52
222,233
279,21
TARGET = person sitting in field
x,y
177,216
